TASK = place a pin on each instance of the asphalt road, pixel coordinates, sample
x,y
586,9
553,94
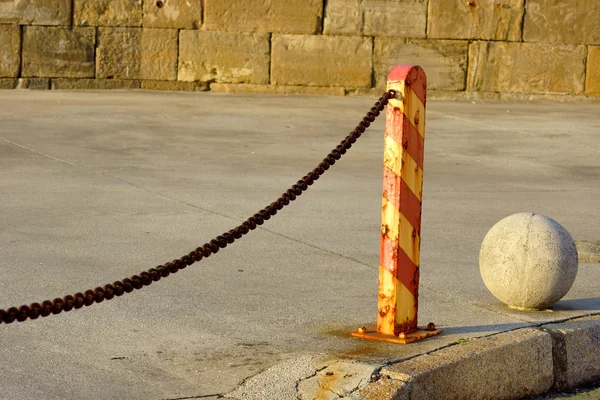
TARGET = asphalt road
x,y
97,186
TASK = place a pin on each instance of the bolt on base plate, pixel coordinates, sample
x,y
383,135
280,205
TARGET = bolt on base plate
x,y
401,338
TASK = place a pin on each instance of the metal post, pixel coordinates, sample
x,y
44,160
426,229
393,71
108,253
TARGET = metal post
x,y
401,211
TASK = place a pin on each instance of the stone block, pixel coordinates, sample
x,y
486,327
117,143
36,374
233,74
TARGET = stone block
x,y
509,365
33,83
58,52
10,48
475,19
321,60
406,18
183,14
576,351
278,16
225,57
8,83
136,53
93,84
559,21
107,13
35,12
276,89
364,92
517,67
384,388
343,17
444,61
175,86
592,80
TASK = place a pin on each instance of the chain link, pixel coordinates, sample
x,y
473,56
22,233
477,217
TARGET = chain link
x,y
128,285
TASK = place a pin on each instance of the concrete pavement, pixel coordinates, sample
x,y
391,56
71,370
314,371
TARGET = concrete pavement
x,y
96,186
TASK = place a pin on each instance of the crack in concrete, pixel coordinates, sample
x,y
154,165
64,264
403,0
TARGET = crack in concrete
x,y
326,389
36,152
502,128
317,370
203,396
210,211
372,378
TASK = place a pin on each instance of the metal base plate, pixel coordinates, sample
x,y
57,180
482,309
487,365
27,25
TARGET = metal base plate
x,y
402,338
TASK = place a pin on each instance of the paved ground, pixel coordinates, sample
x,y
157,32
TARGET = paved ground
x,y
97,186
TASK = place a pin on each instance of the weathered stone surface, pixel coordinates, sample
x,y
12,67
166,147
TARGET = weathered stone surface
x,y
509,365
36,12
364,92
278,16
184,14
513,97
592,81
343,17
337,380
58,52
526,68
34,83
406,18
94,84
136,53
462,96
555,98
528,261
278,381
576,351
560,21
385,388
475,19
175,86
445,61
8,83
107,13
223,57
321,60
10,43
276,89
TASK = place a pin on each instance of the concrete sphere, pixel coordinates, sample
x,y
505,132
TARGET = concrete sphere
x,y
528,261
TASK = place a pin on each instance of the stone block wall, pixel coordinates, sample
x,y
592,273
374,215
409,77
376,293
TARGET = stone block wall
x,y
468,48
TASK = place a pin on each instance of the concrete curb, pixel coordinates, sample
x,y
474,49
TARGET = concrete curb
x,y
509,365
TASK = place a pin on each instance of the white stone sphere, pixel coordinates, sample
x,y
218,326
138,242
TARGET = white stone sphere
x,y
528,261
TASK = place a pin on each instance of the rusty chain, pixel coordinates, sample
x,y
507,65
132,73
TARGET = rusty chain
x,y
118,288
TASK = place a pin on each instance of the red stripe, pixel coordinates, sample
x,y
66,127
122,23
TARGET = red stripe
x,y
395,260
413,76
399,128
399,194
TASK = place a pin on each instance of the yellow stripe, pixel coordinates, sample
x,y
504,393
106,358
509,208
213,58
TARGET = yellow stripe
x,y
386,317
396,227
410,105
405,304
399,161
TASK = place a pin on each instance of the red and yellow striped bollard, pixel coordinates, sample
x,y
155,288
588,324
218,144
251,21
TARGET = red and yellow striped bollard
x,y
401,211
